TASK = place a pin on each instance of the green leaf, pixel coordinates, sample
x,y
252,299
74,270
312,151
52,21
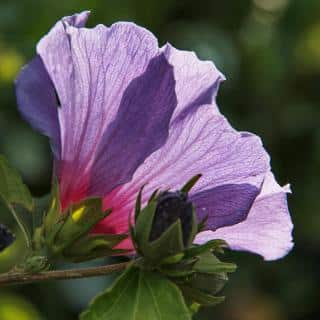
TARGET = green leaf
x,y
14,192
12,189
138,295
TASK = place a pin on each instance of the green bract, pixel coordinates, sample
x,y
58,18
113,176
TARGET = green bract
x,y
195,269
67,235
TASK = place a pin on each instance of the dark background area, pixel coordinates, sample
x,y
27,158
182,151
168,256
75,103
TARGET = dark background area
x,y
269,51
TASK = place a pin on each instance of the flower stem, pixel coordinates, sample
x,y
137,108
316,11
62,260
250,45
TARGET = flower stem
x,y
24,278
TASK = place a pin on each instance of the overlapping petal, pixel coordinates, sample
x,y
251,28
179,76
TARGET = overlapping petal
x,y
197,82
122,113
267,230
38,102
117,96
233,165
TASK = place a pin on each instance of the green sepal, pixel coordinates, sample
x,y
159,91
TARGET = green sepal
x,y
94,246
190,184
181,269
81,218
167,245
194,228
50,236
208,283
54,219
139,294
144,224
97,254
170,243
212,245
54,212
173,259
153,196
194,307
38,239
137,209
38,217
209,264
202,224
34,264
172,273
204,299
132,234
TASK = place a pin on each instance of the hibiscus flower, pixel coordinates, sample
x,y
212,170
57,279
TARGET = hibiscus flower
x,y
122,113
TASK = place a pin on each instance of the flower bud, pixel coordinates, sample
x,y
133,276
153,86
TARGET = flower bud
x,y
165,227
172,206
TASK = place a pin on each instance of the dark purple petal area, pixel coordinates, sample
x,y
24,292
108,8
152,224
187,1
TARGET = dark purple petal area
x,y
37,101
140,127
6,237
202,142
268,228
117,95
122,113
224,205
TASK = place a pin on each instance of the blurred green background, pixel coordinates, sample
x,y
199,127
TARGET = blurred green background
x,y
270,52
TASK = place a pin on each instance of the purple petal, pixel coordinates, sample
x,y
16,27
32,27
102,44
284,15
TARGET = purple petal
x,y
117,98
267,230
225,205
140,127
205,143
197,82
37,101
78,20
36,94
202,142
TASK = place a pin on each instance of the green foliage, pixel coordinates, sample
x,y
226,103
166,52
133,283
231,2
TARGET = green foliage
x,y
12,189
92,246
195,269
137,295
80,219
271,89
14,192
66,235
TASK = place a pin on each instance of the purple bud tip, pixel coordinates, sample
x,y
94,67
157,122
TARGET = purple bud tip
x,y
6,237
171,207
